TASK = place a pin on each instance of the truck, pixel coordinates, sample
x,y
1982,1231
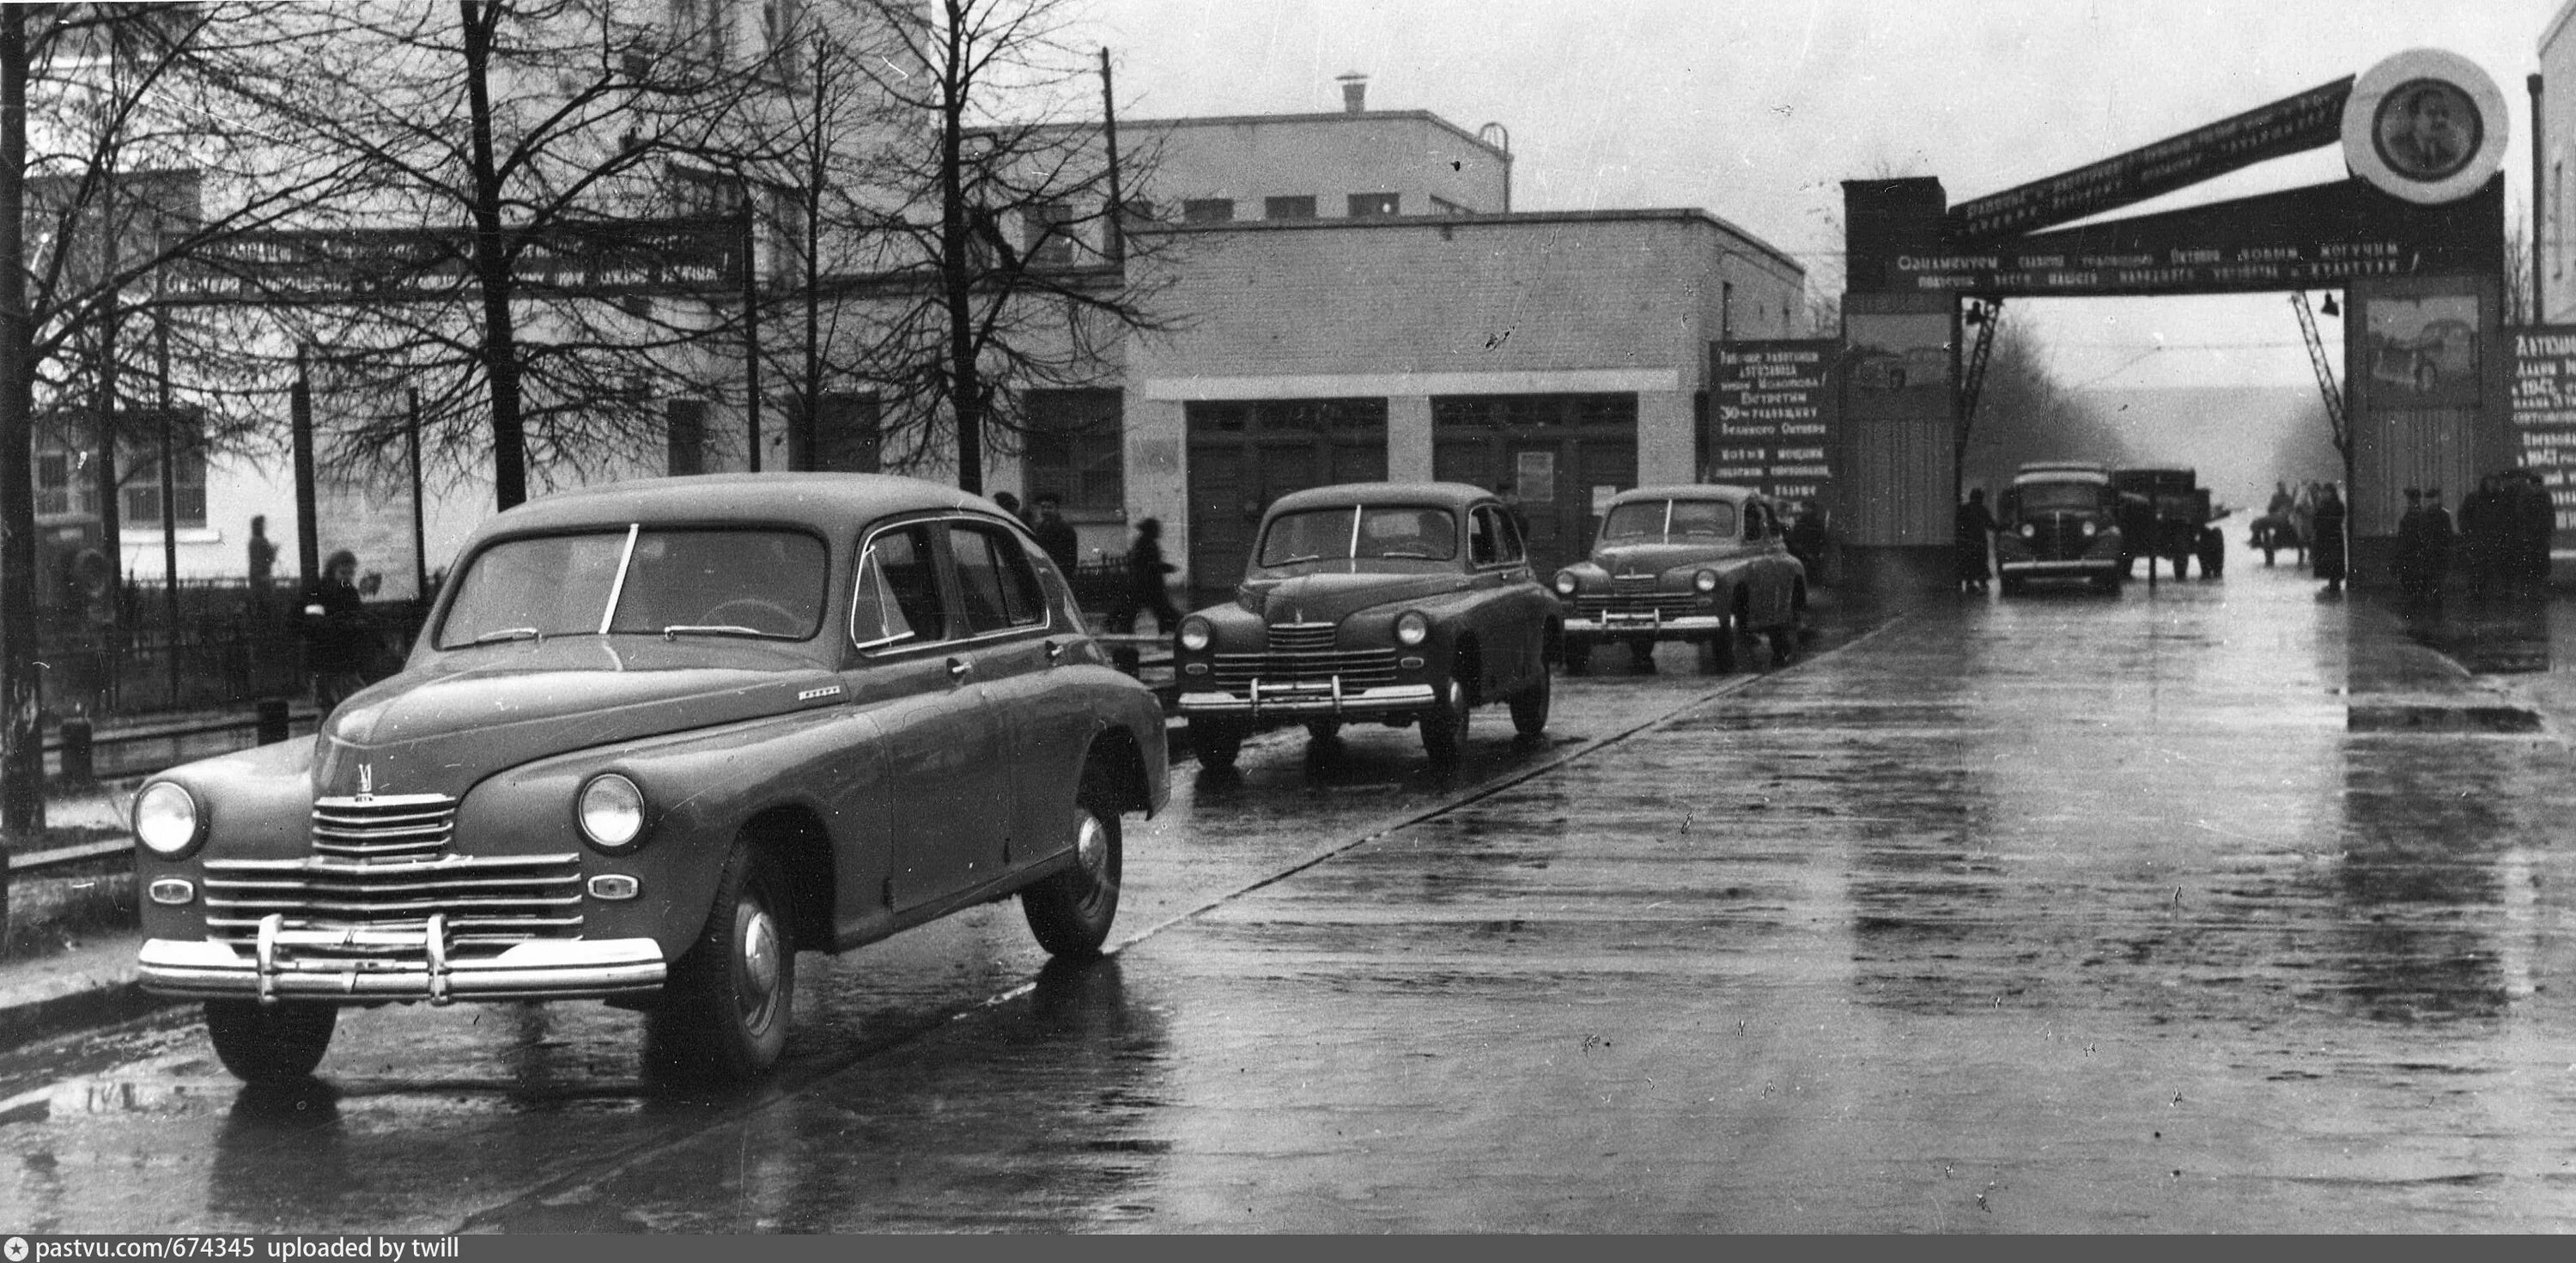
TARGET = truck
x,y
2173,519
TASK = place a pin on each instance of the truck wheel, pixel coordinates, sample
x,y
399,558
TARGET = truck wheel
x,y
270,1044
1070,912
1444,726
1215,744
723,1016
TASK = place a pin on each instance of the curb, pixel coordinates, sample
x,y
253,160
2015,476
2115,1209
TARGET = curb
x,y
97,985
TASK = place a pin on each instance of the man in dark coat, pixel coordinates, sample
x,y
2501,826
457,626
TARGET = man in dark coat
x,y
340,642
2411,546
1056,537
2326,553
1976,528
2534,518
1145,583
2438,538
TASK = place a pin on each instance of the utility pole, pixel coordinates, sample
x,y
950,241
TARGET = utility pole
x,y
308,531
419,528
1115,235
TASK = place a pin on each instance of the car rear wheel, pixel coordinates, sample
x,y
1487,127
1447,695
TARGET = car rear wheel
x,y
1215,744
723,1015
270,1043
1530,705
1071,911
1444,726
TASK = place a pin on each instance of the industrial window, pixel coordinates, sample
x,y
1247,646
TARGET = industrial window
x,y
687,420
1076,450
1207,210
1049,233
142,488
1287,208
1375,205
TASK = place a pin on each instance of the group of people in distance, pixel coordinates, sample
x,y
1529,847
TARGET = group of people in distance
x,y
2314,519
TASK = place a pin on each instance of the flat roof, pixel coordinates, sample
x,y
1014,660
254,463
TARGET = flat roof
x,y
1678,214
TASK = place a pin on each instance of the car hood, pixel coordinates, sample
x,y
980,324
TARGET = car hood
x,y
1329,598
443,726
1655,558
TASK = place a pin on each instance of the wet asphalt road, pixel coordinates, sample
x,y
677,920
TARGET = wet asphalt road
x,y
2182,911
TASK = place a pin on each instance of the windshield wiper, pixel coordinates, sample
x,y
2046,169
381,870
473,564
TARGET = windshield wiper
x,y
677,630
1292,561
499,634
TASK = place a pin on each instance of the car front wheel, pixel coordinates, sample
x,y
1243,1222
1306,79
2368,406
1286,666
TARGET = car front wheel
x,y
1444,726
270,1043
1070,912
723,1015
1216,744
1530,705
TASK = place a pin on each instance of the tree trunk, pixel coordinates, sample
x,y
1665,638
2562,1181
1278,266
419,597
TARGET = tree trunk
x,y
956,266
491,267
22,750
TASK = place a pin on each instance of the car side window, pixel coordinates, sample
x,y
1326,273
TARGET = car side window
x,y
898,602
1483,546
994,576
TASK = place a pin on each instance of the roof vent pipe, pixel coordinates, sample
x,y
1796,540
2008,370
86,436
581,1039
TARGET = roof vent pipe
x,y
1354,92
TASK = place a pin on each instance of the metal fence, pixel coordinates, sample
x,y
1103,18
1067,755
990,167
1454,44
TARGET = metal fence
x,y
228,647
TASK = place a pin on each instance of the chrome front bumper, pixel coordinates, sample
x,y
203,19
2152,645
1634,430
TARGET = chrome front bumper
x,y
2069,566
373,965
1309,698
1621,628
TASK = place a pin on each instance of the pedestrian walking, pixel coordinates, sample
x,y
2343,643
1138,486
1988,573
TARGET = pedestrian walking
x,y
2327,550
1146,586
339,641
1056,537
1975,530
263,566
2439,537
2303,514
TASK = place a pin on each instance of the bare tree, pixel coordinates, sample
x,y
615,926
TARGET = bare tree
x,y
558,234
134,139
2026,413
995,222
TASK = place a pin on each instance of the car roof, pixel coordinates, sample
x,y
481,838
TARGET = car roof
x,y
1688,491
1452,494
2062,473
825,501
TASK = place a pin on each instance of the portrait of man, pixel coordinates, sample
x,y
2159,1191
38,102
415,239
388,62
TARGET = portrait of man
x,y
2427,129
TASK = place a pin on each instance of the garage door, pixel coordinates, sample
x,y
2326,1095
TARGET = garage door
x,y
1243,455
1558,450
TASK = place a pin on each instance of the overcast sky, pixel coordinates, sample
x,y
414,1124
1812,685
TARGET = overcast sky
x,y
1757,112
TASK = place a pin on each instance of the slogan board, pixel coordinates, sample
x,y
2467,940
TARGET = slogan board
x,y
1772,416
2544,414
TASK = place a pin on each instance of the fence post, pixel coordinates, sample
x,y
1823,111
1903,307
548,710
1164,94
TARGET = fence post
x,y
272,720
79,768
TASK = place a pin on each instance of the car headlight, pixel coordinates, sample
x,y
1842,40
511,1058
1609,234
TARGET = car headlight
x,y
2089,528
1705,581
166,819
1565,583
2030,530
1412,628
1196,633
611,811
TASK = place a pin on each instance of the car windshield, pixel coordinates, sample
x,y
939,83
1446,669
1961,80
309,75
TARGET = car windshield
x,y
1360,532
2058,497
764,583
1667,521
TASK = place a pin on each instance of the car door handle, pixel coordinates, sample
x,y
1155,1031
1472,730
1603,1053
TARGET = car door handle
x,y
958,669
1055,652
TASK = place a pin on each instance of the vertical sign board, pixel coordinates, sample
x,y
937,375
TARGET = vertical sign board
x,y
2544,416
1773,418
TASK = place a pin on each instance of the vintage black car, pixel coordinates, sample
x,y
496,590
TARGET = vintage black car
x,y
655,739
1395,603
1702,563
2059,520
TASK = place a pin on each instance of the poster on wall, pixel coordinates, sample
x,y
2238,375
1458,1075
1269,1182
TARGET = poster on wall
x,y
2544,417
2423,352
1771,416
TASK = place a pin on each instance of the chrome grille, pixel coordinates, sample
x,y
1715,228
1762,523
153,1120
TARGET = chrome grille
x,y
2057,537
384,826
488,899
1637,600
1358,668
1300,637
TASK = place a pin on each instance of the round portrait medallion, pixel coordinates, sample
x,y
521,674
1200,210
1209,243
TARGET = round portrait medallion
x,y
2427,129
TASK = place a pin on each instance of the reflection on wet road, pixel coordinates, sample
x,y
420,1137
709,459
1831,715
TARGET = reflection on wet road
x,y
2067,912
